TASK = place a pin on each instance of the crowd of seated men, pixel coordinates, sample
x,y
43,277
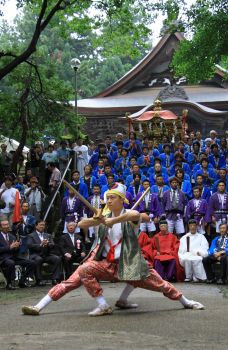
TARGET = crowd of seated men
x,y
39,249
187,206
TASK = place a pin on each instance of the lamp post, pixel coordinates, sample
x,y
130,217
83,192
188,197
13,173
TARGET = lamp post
x,y
75,64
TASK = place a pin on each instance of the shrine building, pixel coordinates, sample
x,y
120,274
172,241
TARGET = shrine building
x,y
204,106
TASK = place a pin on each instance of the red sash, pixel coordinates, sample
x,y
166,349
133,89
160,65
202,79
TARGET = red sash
x,y
111,254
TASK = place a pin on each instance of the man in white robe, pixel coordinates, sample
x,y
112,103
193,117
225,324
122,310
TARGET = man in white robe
x,y
193,248
82,156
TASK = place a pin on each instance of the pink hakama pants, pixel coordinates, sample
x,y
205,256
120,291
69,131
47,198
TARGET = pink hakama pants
x,y
91,272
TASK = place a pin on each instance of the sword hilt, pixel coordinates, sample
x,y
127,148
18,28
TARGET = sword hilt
x,y
99,214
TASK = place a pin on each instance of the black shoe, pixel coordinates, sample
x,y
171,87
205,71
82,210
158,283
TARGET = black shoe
x,y
213,280
54,282
220,281
10,287
40,284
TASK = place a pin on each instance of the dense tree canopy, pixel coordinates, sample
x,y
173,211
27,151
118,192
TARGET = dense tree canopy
x,y
207,21
36,77
112,20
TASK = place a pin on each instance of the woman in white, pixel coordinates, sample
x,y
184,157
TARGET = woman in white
x,y
82,156
193,247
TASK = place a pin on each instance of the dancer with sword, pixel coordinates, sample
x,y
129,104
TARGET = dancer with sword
x,y
115,256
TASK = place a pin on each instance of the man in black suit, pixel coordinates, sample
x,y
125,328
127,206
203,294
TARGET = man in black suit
x,y
24,228
9,257
41,246
72,248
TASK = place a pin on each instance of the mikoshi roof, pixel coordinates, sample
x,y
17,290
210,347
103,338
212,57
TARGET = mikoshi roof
x,y
149,115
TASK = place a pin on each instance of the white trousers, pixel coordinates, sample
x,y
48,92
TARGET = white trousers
x,y
178,225
193,267
147,226
93,231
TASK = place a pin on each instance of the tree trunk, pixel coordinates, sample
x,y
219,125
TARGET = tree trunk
x,y
24,125
42,21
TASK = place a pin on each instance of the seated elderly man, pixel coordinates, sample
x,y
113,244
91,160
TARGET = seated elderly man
x,y
193,248
72,248
9,257
41,249
218,251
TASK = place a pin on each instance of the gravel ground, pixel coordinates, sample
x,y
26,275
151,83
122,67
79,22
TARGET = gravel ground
x,y
158,323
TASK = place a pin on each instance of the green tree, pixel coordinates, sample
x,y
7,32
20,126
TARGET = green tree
x,y
35,94
207,21
172,10
112,69
119,16
33,98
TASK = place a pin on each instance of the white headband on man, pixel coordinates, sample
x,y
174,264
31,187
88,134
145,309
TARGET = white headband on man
x,y
120,190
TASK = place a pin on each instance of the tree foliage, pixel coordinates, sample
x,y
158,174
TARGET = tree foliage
x,y
207,20
111,19
36,79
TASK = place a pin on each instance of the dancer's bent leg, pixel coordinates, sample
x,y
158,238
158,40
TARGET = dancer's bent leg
x,y
90,274
155,283
58,291
94,271
122,302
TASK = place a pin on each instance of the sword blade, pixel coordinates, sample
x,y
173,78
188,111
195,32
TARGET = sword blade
x,y
94,210
141,198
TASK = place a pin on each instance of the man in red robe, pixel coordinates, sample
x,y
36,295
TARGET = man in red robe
x,y
143,239
164,254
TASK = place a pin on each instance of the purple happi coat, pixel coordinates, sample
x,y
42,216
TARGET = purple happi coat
x,y
216,208
130,200
91,200
74,213
154,206
196,212
178,212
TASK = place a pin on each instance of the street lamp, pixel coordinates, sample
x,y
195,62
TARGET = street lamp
x,y
75,64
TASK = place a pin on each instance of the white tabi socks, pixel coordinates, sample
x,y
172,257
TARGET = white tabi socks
x,y
44,302
191,304
101,300
126,292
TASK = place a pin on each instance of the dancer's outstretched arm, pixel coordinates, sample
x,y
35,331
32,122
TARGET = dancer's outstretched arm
x,y
86,223
130,215
144,217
